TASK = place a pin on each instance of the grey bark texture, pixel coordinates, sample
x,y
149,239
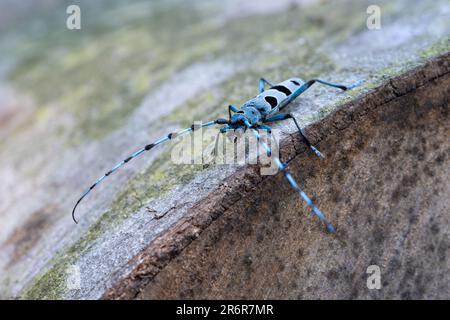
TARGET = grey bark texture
x,y
74,103
385,178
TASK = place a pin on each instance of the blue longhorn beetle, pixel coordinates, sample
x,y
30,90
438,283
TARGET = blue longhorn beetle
x,y
264,108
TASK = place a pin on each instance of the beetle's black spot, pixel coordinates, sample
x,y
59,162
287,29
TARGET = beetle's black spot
x,y
170,135
127,159
283,89
271,100
149,146
295,82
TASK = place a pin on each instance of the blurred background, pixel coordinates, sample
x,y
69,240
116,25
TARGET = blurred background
x,y
74,102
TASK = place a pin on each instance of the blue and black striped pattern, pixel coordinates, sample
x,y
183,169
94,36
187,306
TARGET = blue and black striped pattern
x,y
283,168
252,115
141,151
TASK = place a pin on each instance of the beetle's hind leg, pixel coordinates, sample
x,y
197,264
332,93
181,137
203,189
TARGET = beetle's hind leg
x,y
262,83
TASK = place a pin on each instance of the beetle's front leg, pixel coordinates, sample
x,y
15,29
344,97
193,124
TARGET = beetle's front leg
x,y
284,116
232,108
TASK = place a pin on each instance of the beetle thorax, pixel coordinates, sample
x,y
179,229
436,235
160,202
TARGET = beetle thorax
x,y
259,104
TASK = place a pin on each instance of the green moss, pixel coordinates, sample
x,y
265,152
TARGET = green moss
x,y
438,48
128,63
100,82
155,181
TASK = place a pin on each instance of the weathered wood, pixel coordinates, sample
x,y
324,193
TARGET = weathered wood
x,y
73,103
387,154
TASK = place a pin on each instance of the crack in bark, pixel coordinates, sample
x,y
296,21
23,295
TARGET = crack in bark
x,y
164,248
